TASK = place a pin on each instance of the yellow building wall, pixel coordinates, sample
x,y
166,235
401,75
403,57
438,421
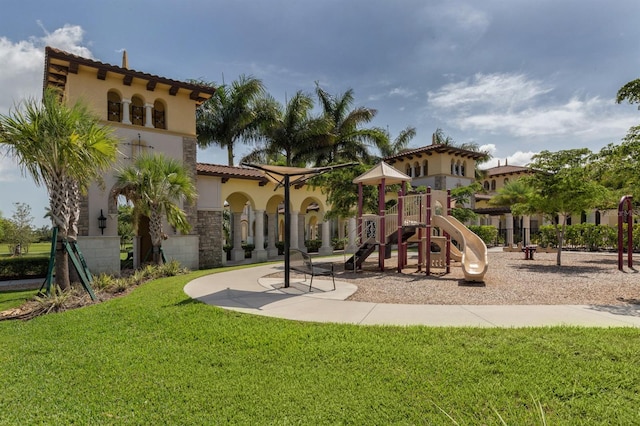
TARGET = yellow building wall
x,y
438,164
180,109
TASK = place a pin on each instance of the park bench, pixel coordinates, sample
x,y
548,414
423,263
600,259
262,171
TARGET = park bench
x,y
300,261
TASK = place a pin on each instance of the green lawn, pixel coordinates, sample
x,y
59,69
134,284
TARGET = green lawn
x,y
12,299
35,249
157,357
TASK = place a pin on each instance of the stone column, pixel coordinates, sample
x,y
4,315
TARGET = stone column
x,y
351,235
326,247
237,253
126,111
526,226
301,235
272,250
259,253
508,217
294,231
148,120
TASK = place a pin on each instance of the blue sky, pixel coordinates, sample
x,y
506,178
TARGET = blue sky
x,y
516,77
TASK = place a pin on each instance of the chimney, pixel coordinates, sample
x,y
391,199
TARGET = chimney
x,y
498,163
505,161
125,60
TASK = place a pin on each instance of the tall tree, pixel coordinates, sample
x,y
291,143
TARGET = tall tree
x,y
156,184
292,133
561,187
63,148
231,114
346,140
616,166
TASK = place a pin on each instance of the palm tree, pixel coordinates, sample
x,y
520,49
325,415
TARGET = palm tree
x,y
514,194
65,148
231,114
291,134
347,140
154,184
399,144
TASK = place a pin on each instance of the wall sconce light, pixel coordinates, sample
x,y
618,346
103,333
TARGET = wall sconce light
x,y
102,222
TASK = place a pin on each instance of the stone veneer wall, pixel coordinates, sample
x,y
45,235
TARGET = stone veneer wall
x,y
209,228
189,151
440,183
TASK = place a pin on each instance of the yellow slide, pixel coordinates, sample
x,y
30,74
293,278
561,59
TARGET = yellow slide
x,y
474,250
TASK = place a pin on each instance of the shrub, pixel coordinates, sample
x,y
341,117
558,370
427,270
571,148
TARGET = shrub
x,y
24,267
248,248
339,243
487,233
313,245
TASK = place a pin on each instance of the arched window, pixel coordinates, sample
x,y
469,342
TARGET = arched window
x,y
408,170
416,169
457,168
463,168
486,185
159,110
506,181
114,106
493,184
137,111
425,168
453,167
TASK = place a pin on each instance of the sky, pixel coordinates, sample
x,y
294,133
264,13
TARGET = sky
x,y
516,77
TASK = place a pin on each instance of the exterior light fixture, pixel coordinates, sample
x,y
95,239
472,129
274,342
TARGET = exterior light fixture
x,y
102,222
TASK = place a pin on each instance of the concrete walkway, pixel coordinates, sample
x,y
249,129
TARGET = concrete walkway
x,y
246,290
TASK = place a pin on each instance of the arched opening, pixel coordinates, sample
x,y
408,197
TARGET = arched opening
x,y
114,106
159,114
137,111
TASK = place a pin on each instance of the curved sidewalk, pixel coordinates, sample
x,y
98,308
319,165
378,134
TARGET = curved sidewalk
x,y
246,290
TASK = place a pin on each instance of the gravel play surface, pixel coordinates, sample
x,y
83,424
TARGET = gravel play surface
x,y
583,279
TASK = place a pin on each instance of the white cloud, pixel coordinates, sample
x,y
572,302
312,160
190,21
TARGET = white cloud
x,y
494,91
68,38
402,92
519,107
519,158
490,148
22,73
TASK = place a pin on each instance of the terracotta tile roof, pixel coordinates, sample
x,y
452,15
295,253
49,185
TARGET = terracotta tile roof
x,y
228,172
434,148
506,170
55,74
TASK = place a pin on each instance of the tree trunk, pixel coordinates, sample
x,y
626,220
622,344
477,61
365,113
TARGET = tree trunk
x,y
59,210
74,215
155,231
560,235
62,266
230,154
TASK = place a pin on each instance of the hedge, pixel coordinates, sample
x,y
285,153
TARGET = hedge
x,y
15,268
586,236
487,233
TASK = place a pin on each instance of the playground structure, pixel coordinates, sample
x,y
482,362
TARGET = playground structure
x,y
424,219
